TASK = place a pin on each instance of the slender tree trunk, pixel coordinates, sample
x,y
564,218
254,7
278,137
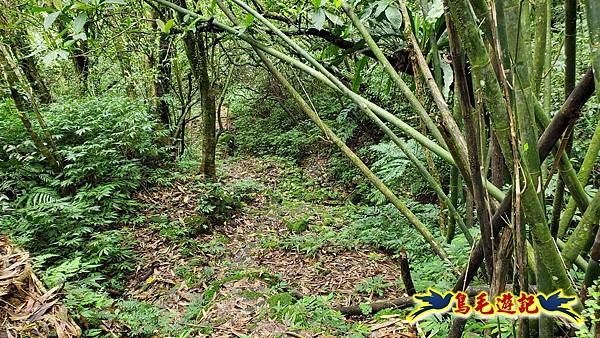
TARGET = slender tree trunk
x,y
209,113
163,79
81,60
30,69
11,76
197,53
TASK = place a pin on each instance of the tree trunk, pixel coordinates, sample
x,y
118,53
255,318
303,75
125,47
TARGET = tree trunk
x,y
163,79
30,69
9,71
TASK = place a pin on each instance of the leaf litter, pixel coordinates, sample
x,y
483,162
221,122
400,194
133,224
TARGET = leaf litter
x,y
243,272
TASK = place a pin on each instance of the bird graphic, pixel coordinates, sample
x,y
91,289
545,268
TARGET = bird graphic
x,y
430,302
557,303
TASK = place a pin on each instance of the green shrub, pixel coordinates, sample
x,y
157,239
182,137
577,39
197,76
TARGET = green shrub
x,y
109,146
216,204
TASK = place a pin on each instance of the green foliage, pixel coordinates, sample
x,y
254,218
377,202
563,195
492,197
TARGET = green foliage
x,y
591,311
396,170
247,189
314,313
144,319
374,285
297,225
216,203
68,220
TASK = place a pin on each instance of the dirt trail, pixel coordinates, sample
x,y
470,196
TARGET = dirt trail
x,y
233,274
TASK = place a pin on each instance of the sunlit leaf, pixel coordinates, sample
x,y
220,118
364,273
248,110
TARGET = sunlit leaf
x,y
57,54
248,20
394,16
435,11
81,36
334,18
318,18
167,26
50,18
81,6
79,22
448,78
118,2
381,6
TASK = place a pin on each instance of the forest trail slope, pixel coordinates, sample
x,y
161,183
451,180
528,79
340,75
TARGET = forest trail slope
x,y
244,278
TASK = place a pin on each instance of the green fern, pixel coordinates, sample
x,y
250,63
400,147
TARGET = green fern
x,y
41,195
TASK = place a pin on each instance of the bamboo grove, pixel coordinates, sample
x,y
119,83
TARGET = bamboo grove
x,y
493,47
495,127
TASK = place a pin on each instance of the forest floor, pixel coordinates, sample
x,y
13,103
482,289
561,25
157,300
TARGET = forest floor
x,y
255,277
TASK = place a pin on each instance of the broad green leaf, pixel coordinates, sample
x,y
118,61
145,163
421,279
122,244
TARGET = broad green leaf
x,y
435,11
249,20
318,18
79,22
167,26
337,3
81,36
394,17
57,54
381,6
118,2
38,9
68,43
316,3
81,6
50,18
356,82
334,18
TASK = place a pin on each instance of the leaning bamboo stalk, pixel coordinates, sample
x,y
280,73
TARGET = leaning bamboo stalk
x,y
567,172
582,237
433,183
455,148
413,220
454,140
583,176
569,112
420,227
389,69
550,262
361,101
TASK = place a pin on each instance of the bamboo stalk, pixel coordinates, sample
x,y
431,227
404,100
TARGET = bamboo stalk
x,y
583,176
389,69
479,195
413,220
450,126
472,42
382,113
541,42
582,237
